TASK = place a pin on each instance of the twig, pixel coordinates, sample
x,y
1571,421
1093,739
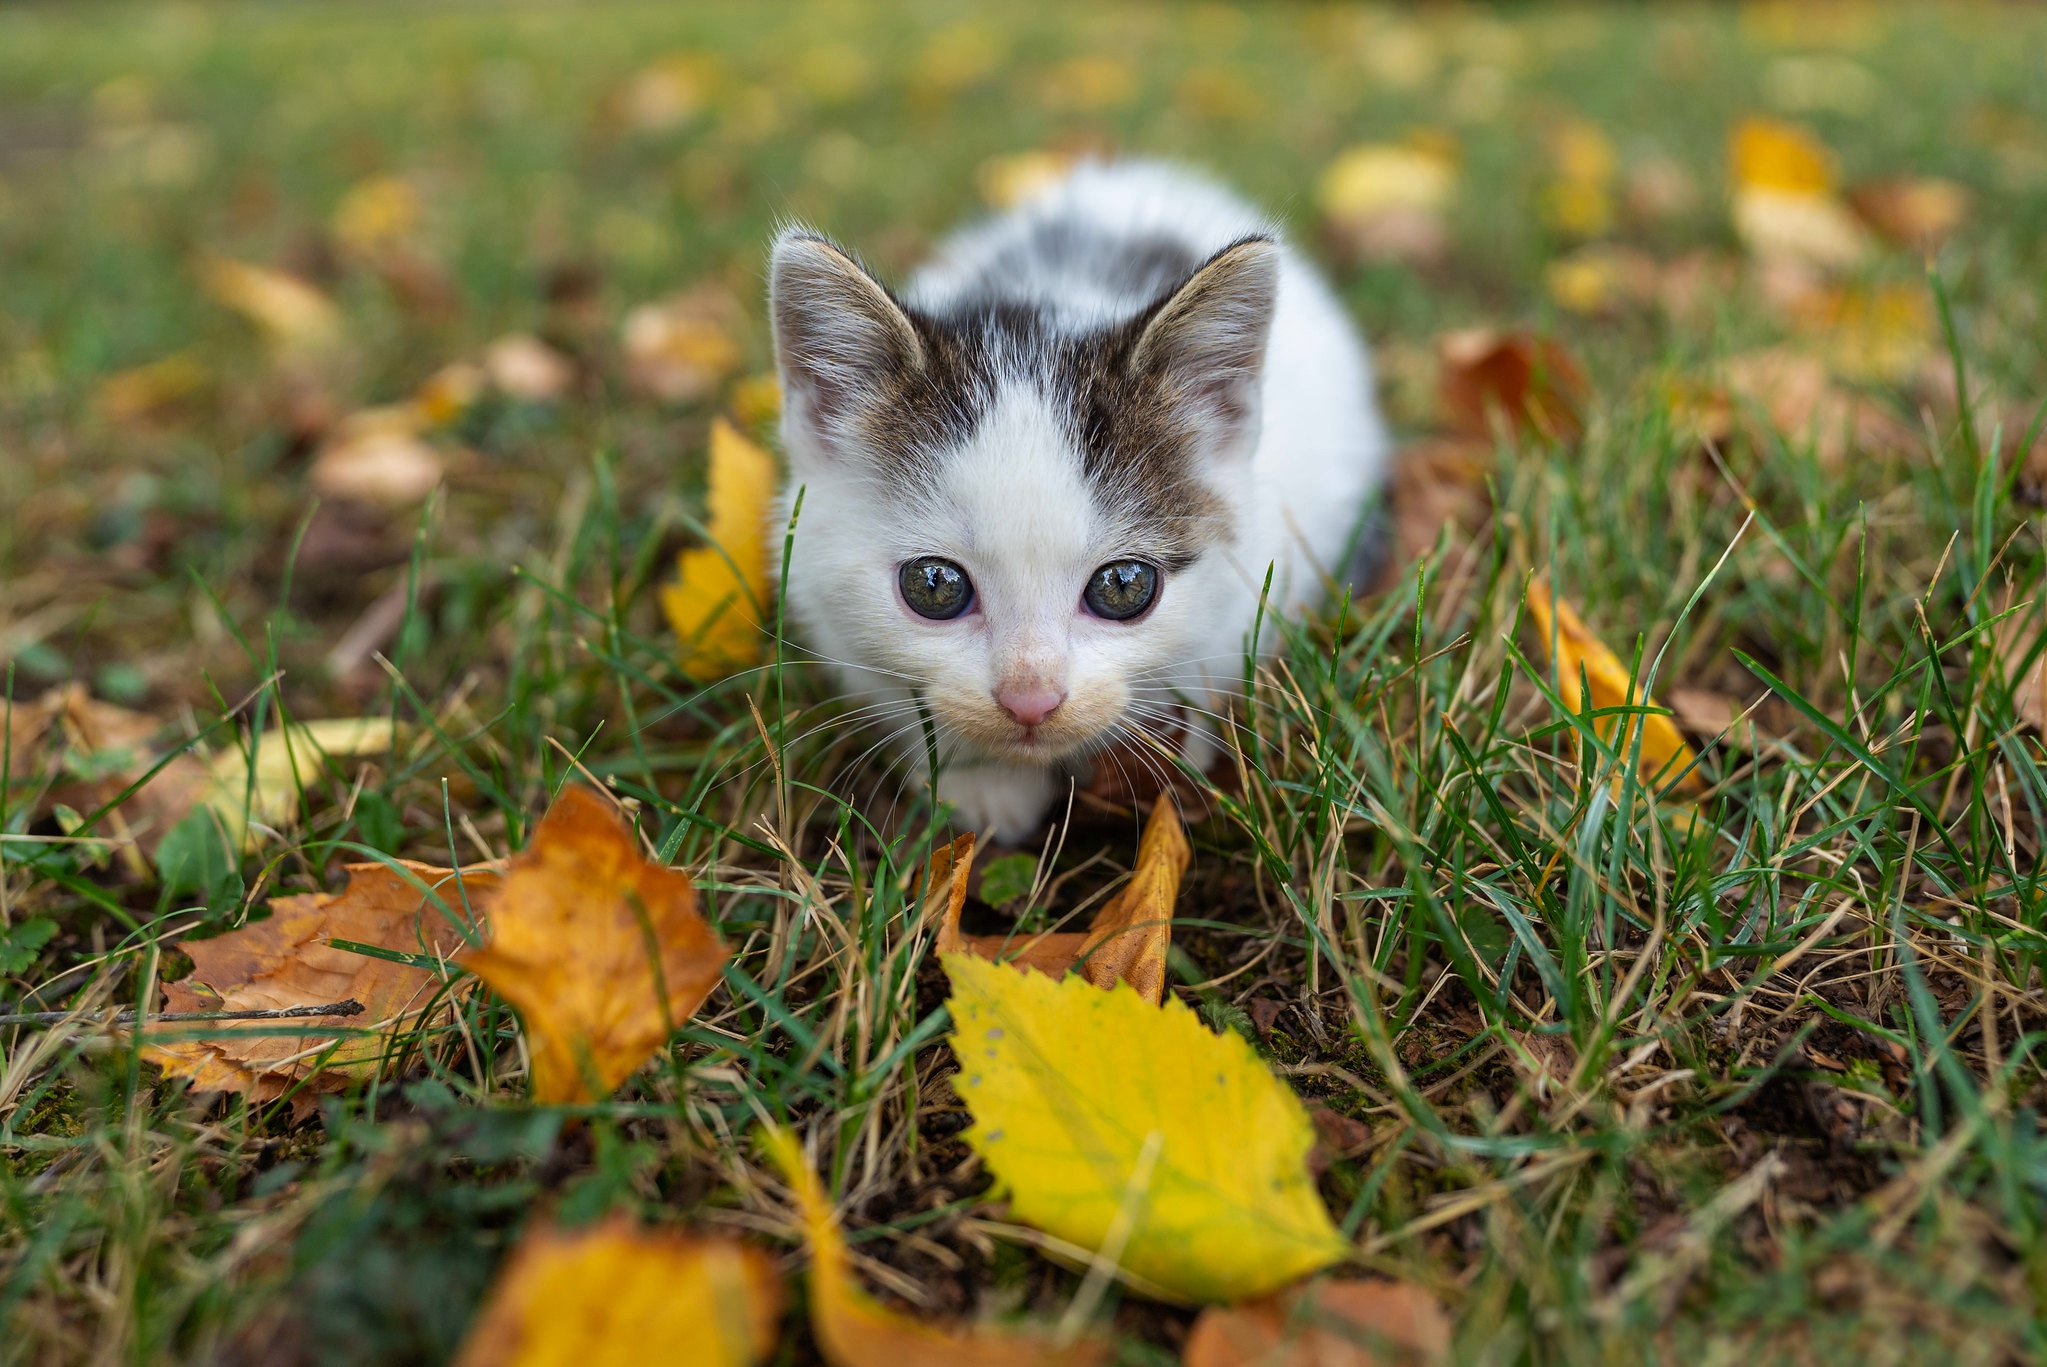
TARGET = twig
x,y
351,1007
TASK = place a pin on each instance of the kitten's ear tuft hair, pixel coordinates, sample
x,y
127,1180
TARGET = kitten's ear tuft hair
x,y
840,336
1206,342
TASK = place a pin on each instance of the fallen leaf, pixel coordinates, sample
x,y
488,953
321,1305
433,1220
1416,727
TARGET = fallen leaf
x,y
1335,1323
1544,1062
289,960
1659,188
2016,638
1919,212
147,392
1130,934
1105,1118
92,752
854,1330
1584,662
1088,83
682,349
602,952
714,603
1530,381
377,457
1783,197
263,796
297,316
1578,200
1008,180
1703,711
376,214
617,1295
1603,279
524,367
449,393
1882,332
1387,201
1437,483
1792,394
668,92
757,401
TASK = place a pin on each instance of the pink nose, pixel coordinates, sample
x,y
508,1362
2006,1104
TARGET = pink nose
x,y
1029,706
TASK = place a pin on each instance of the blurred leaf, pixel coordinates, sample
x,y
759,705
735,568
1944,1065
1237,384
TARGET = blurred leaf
x,y
1919,212
376,214
618,1296
1109,1119
602,952
377,457
1578,200
1603,279
682,349
668,92
1882,332
2017,639
1530,381
297,317
1335,1323
1386,201
145,392
524,367
1009,180
853,1330
714,603
1784,202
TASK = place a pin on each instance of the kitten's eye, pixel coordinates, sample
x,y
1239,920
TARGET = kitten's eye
x,y
936,588
1121,589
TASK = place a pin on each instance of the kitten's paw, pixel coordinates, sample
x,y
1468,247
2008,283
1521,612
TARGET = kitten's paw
x,y
1005,804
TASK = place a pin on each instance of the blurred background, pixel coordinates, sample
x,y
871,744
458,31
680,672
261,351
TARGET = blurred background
x,y
287,291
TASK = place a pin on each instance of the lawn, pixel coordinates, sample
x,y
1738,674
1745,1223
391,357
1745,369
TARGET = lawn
x,y
360,361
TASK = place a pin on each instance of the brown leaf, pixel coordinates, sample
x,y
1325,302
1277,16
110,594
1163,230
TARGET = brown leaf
x,y
2015,639
681,349
1437,483
1919,212
616,1294
602,952
1128,939
103,749
1529,381
524,367
1791,393
289,960
1338,1323
376,457
854,1330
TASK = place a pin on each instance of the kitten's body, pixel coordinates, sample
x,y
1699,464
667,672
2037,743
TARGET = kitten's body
x,y
1127,369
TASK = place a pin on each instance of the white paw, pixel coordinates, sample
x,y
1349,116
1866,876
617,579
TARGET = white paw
x,y
1000,802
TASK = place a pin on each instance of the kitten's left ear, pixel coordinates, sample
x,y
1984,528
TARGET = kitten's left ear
x,y
1206,343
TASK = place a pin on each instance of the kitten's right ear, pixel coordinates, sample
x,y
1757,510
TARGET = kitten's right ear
x,y
841,339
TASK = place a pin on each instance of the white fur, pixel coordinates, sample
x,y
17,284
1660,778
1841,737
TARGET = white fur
x,y
1014,510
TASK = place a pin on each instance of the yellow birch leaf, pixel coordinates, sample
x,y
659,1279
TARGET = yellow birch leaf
x,y
619,1296
265,796
1109,1119
602,952
855,1330
1581,655
719,588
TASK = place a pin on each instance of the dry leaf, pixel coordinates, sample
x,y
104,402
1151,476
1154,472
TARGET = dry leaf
x,y
1792,394
1578,201
1007,181
1325,1324
757,401
1882,332
1660,188
104,749
524,367
1106,1117
715,602
617,1295
2015,639
449,393
1783,197
289,961
602,952
298,317
376,214
668,92
1919,212
147,392
1437,483
1128,939
1583,661
1604,279
377,457
682,349
1386,201
1530,381
854,1330
264,797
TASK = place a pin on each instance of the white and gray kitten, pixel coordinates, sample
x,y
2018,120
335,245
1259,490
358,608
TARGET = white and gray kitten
x,y
1043,486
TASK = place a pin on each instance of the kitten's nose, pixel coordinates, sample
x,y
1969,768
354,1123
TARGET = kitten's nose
x,y
1029,706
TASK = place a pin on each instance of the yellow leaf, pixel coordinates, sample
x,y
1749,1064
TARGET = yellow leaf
x,y
266,795
1882,332
1128,939
856,1331
620,1296
1372,177
376,213
297,316
720,588
1007,181
1769,154
1580,654
1107,1118
602,952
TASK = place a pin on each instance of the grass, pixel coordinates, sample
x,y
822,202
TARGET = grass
x,y
1763,1088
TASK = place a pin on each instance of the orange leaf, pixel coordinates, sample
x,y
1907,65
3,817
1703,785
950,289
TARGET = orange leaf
x,y
289,961
1530,381
1128,939
617,1296
1582,656
1327,1324
602,952
1920,212
855,1330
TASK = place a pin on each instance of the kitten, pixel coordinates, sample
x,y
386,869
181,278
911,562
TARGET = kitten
x,y
1042,486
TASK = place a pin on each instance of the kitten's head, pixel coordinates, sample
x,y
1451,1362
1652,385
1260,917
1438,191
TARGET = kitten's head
x,y
1018,520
